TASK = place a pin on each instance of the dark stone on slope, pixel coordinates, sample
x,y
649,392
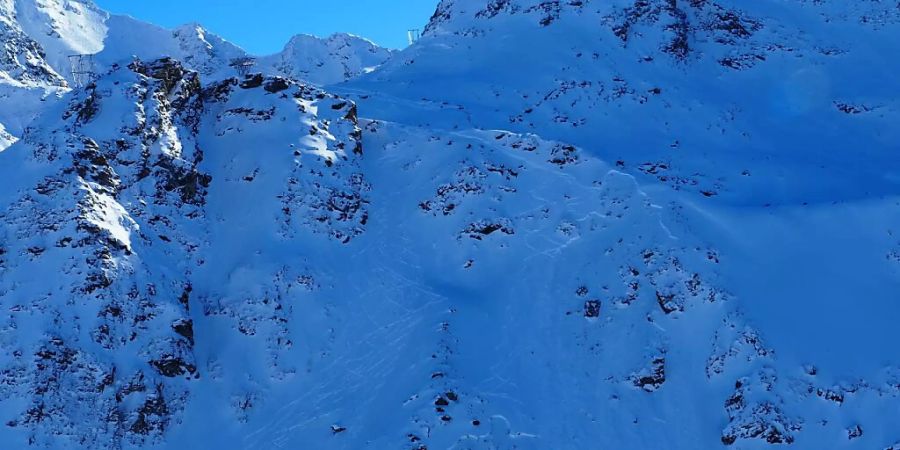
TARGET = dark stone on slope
x,y
276,84
592,309
252,81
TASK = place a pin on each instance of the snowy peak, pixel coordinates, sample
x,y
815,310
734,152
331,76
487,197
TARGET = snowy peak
x,y
198,49
46,32
335,59
320,61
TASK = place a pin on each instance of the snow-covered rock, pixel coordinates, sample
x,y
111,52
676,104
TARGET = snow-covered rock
x,y
39,36
332,60
63,28
197,48
121,197
6,139
554,224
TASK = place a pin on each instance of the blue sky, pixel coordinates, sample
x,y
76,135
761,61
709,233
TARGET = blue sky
x,y
264,26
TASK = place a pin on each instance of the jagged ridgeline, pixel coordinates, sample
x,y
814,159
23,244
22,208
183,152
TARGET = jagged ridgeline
x,y
52,46
595,224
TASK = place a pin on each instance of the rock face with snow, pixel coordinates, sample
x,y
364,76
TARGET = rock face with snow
x,y
25,75
336,59
201,51
129,181
39,36
23,58
547,224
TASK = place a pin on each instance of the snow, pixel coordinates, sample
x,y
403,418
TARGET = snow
x,y
6,139
63,28
544,225
47,32
326,61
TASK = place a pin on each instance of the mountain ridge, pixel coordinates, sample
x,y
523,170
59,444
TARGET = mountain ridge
x,y
48,32
546,224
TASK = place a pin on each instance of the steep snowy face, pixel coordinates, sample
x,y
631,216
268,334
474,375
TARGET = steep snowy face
x,y
761,136
682,84
204,52
200,51
576,224
22,62
335,59
26,78
37,37
63,28
122,212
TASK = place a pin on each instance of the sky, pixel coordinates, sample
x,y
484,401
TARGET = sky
x,y
264,26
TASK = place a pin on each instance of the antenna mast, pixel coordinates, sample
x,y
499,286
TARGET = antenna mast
x,y
243,65
413,35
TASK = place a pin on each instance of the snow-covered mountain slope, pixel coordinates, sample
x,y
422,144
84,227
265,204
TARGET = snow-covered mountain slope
x,y
26,77
22,63
63,28
121,216
771,80
200,50
557,225
332,60
39,36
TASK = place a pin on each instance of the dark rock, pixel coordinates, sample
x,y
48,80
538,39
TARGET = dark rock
x,y
592,309
252,81
276,84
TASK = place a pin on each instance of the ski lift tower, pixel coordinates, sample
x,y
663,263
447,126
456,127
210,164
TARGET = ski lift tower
x,y
83,70
413,35
243,65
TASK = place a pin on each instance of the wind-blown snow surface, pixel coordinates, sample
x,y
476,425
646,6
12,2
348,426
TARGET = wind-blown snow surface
x,y
558,225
